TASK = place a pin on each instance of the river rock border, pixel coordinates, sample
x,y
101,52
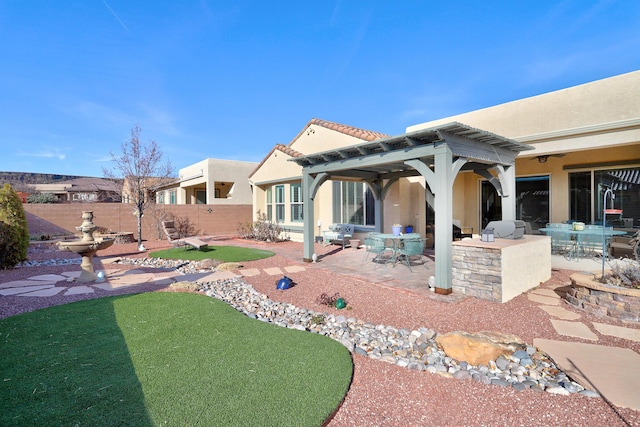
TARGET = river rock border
x,y
603,300
416,350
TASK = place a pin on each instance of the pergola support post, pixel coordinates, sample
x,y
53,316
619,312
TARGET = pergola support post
x,y
443,214
308,194
507,177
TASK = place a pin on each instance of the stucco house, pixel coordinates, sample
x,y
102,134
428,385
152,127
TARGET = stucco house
x,y
210,181
586,138
276,182
82,190
546,158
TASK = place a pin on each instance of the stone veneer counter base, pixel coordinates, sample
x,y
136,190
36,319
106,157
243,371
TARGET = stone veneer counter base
x,y
500,270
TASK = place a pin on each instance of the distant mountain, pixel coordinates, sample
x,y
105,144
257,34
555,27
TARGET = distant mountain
x,y
25,178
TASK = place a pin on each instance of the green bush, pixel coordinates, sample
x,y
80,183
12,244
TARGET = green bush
x,y
14,232
41,198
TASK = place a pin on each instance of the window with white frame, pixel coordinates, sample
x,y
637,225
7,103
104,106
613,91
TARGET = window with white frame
x,y
353,203
279,203
296,203
160,197
269,197
172,197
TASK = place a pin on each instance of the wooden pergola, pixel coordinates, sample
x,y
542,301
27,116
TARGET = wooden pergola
x,y
438,154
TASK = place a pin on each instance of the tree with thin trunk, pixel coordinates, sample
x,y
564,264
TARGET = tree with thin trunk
x,y
140,167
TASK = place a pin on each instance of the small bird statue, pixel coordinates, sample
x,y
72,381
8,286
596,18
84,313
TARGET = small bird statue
x,y
314,257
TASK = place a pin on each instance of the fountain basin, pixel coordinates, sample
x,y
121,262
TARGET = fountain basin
x,y
86,249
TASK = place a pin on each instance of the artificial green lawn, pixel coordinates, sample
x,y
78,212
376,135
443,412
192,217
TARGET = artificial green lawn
x,y
164,358
222,253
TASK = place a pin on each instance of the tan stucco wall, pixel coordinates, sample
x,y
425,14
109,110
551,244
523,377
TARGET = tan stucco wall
x,y
591,124
204,174
603,103
277,169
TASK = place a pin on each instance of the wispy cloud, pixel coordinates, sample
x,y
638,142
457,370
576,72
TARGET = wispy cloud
x,y
49,153
115,15
102,113
159,119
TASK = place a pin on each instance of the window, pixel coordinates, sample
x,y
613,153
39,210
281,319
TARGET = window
x,y
279,203
201,197
580,196
532,201
296,203
160,197
84,197
270,204
172,197
353,203
586,190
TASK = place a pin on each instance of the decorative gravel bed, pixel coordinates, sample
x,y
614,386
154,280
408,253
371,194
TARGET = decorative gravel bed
x,y
525,369
385,394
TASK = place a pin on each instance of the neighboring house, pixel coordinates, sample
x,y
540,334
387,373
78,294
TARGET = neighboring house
x,y
211,181
586,138
82,190
277,190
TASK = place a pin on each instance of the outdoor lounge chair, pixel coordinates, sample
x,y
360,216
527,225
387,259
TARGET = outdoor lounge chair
x,y
173,236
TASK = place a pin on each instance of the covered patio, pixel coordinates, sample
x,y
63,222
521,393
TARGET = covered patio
x,y
437,154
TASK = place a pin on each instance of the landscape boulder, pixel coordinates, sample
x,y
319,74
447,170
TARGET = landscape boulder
x,y
478,348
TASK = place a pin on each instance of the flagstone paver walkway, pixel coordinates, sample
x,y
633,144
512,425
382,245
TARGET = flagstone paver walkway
x,y
53,284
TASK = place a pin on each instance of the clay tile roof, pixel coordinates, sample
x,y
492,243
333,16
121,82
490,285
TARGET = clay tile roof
x,y
288,150
365,135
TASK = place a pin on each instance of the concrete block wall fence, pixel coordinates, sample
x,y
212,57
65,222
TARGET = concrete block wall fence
x,y
119,217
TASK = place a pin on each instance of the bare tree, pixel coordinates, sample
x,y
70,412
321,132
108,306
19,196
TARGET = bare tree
x,y
141,167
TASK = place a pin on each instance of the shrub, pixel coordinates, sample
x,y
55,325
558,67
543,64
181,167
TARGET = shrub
x,y
41,198
329,300
184,226
626,275
14,232
262,229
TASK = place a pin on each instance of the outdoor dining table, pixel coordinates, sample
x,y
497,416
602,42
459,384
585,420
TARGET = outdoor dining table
x,y
577,237
397,240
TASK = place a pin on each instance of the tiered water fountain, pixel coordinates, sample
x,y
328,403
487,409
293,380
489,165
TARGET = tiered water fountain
x,y
86,247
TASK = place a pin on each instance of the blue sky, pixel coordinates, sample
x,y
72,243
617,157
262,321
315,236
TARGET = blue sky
x,y
231,79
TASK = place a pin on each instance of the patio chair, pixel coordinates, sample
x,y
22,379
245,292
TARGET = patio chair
x,y
414,247
340,234
377,246
173,236
625,246
591,243
560,241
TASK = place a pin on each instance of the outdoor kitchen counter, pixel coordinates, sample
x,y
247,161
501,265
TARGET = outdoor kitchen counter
x,y
502,269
